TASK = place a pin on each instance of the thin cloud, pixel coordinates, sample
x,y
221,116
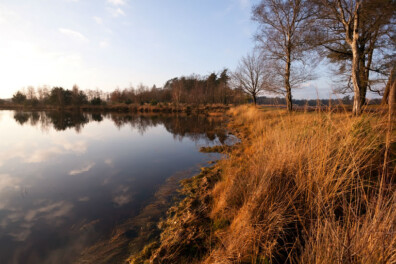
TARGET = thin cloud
x,y
103,44
244,3
98,20
116,2
116,12
73,34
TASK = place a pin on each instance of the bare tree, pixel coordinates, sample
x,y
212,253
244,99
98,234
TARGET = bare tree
x,y
43,93
31,93
389,84
283,39
177,91
351,31
250,75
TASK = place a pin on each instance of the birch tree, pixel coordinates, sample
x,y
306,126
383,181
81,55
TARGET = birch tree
x,y
352,31
283,39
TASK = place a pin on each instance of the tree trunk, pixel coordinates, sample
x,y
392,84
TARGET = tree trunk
x,y
289,102
359,95
364,77
392,101
388,86
363,92
254,99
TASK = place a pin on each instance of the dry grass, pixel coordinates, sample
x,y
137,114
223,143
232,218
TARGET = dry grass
x,y
307,188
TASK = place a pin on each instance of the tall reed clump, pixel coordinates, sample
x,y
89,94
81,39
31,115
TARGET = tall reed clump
x,y
307,188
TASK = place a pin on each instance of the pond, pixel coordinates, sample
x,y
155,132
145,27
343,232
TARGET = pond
x,y
69,179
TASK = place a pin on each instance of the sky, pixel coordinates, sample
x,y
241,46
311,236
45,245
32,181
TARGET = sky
x,y
109,44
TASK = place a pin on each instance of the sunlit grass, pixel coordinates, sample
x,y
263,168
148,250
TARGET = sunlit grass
x,y
307,188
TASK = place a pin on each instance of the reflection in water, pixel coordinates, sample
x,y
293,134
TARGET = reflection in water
x,y
64,190
59,120
181,125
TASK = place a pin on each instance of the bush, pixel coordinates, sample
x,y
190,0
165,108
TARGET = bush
x,y
19,98
33,102
96,101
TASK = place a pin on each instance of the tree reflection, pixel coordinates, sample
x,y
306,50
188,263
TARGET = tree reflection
x,y
97,117
21,117
195,127
59,120
64,120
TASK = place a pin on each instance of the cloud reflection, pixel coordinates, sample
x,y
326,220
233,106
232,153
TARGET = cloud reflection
x,y
52,212
32,153
84,199
41,155
82,170
49,211
20,235
122,196
122,199
9,182
109,162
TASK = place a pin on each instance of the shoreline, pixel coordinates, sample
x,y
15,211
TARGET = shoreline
x,y
185,230
184,235
125,108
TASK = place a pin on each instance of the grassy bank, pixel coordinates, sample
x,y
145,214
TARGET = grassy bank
x,y
125,108
301,188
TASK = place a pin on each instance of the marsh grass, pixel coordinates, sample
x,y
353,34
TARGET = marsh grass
x,y
306,188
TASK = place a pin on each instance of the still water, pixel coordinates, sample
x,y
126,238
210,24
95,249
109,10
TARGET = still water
x,y
67,180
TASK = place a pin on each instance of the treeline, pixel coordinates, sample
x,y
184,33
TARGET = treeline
x,y
194,89
58,96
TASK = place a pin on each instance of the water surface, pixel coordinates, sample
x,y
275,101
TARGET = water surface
x,y
68,179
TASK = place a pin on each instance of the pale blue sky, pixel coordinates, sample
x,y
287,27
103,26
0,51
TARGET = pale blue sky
x,y
113,43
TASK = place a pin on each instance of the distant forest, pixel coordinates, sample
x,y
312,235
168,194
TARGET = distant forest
x,y
194,89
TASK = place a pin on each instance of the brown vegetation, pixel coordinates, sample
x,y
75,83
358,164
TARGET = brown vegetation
x,y
301,188
308,188
127,108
